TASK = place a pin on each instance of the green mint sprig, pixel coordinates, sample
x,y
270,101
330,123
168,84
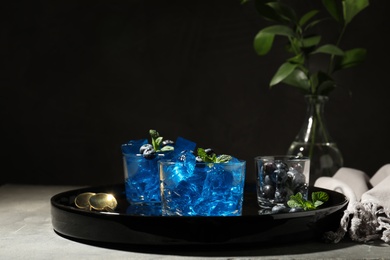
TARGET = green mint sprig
x,y
157,141
213,158
317,199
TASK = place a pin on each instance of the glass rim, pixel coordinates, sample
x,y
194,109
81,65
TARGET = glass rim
x,y
170,162
138,155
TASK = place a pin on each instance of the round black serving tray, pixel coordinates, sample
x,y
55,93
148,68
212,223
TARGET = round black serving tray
x,y
120,227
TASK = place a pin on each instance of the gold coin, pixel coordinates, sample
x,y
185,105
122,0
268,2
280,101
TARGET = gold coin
x,y
103,201
82,200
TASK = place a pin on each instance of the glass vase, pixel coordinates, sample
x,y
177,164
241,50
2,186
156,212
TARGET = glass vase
x,y
313,141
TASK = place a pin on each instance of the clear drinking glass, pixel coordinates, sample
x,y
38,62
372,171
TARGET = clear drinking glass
x,y
142,181
279,177
142,178
202,189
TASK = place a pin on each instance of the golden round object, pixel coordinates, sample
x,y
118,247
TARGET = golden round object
x,y
82,200
103,201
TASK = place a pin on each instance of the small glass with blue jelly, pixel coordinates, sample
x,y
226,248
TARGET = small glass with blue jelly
x,y
142,180
189,188
279,177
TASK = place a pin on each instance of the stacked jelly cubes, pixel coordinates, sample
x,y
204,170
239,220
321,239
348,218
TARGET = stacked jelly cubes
x,y
194,188
181,182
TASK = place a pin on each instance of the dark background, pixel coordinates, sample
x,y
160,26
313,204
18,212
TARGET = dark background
x,y
78,79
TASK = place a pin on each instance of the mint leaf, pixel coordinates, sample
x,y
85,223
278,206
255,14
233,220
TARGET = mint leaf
x,y
309,205
157,141
223,158
318,203
294,204
296,201
318,198
153,133
298,198
204,156
212,158
167,148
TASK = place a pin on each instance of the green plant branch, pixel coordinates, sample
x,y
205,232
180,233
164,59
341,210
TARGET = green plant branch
x,y
302,44
338,42
322,127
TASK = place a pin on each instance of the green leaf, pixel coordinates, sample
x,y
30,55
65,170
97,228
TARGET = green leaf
x,y
223,158
268,12
283,72
309,205
298,79
311,41
326,87
314,23
319,196
158,140
306,17
293,46
279,30
285,12
167,148
294,204
153,133
323,84
352,7
297,200
298,59
212,158
264,38
335,9
329,49
154,136
318,203
203,155
263,43
350,59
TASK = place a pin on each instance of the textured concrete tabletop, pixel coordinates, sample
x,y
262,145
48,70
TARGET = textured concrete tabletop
x,y
26,232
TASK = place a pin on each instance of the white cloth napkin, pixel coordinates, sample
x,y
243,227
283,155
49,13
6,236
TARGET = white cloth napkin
x,y
367,216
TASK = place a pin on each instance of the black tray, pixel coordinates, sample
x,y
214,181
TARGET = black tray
x,y
122,228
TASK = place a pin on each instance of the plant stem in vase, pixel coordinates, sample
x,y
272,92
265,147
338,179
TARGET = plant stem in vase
x,y
313,141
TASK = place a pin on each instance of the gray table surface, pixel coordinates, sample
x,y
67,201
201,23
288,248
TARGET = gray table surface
x,y
26,232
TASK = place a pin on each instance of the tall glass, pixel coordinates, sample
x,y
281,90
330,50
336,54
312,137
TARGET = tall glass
x,y
279,177
202,189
